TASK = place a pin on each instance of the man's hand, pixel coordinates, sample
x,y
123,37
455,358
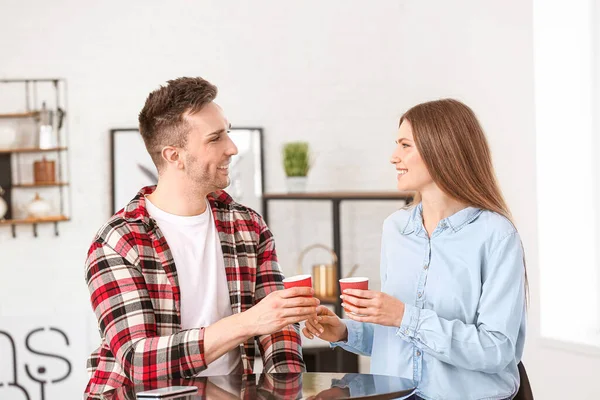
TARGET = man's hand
x,y
280,309
327,326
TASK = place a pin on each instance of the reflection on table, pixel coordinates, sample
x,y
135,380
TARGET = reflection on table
x,y
313,386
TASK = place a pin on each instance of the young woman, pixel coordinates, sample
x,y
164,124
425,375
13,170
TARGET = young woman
x,y
451,312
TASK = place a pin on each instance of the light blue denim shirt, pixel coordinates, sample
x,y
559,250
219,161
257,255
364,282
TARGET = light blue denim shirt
x,y
463,328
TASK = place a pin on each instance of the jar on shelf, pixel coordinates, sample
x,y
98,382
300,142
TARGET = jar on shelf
x,y
38,208
47,135
44,171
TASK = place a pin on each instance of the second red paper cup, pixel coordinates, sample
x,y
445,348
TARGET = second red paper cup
x,y
361,283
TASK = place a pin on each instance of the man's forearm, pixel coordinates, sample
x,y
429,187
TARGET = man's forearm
x,y
225,335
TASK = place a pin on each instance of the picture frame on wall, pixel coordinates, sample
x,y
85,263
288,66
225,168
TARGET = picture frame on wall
x,y
132,167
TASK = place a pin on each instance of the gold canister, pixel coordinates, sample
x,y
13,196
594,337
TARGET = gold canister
x,y
324,280
324,275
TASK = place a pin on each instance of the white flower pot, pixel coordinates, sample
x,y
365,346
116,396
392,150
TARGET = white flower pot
x,y
296,184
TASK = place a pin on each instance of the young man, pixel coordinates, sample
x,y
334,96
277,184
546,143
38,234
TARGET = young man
x,y
184,279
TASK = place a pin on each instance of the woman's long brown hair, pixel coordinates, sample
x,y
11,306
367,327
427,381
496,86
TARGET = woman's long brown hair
x,y
455,150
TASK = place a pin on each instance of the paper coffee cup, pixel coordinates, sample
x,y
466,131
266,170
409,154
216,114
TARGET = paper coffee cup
x,y
361,283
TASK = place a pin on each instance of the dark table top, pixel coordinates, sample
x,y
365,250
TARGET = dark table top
x,y
315,385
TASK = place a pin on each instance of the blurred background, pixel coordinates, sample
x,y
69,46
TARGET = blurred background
x,y
334,74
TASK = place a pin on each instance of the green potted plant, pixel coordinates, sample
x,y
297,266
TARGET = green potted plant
x,y
296,162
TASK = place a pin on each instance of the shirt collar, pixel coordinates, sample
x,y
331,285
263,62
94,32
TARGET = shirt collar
x,y
136,209
455,222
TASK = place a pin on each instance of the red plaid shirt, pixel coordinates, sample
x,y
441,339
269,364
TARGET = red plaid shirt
x,y
134,291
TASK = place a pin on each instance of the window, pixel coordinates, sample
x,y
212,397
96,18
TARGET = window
x,y
568,170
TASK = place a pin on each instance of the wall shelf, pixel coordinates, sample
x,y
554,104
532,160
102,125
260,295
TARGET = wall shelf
x,y
44,101
28,114
339,196
39,185
31,150
29,221
34,223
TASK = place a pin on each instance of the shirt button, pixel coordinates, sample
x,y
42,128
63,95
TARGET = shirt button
x,y
443,224
418,353
419,295
425,267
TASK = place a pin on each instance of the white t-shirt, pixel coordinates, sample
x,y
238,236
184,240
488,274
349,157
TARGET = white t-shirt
x,y
196,250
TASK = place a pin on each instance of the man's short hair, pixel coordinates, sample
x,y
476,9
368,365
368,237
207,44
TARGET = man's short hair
x,y
162,120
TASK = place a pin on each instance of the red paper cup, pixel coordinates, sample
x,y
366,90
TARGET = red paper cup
x,y
298,281
361,283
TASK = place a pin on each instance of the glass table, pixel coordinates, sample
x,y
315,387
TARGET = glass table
x,y
313,386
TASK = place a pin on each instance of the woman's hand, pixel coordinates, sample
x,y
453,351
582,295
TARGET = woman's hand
x,y
327,326
374,307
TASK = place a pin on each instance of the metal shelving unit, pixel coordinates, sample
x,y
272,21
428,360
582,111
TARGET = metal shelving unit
x,y
11,180
322,359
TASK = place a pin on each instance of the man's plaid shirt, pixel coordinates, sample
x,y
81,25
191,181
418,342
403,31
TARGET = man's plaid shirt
x,y
134,291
